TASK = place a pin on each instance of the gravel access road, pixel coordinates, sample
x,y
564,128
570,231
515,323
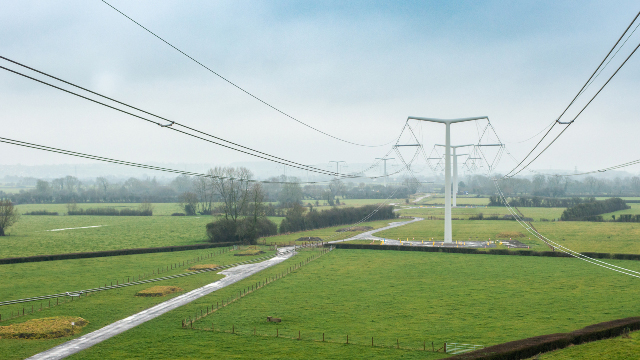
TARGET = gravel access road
x,y
369,234
233,275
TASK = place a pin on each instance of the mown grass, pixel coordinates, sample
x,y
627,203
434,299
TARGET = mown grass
x,y
327,234
618,348
54,277
390,295
103,308
462,212
607,237
163,337
29,236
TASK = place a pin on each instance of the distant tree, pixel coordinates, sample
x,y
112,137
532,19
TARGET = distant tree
x,y
103,185
8,215
232,186
189,203
291,193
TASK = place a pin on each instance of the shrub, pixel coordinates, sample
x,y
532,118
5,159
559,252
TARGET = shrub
x,y
297,220
41,212
590,211
190,209
241,230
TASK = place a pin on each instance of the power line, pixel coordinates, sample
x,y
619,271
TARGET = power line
x,y
563,249
237,86
144,166
557,121
288,162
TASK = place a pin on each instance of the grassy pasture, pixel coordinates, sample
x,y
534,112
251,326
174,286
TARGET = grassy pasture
x,y
388,295
327,234
103,308
580,236
464,213
29,236
163,337
460,199
53,277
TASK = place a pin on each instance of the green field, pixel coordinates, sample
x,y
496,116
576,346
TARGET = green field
x,y
391,296
31,235
52,277
327,234
101,308
462,212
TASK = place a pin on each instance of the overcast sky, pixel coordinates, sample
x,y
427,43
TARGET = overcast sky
x,y
355,70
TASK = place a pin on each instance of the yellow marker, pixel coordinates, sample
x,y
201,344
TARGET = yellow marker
x,y
434,244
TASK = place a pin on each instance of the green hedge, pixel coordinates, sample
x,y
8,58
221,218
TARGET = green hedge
x,y
483,251
526,348
92,254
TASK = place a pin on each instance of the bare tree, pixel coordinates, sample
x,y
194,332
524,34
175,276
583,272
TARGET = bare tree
x,y
257,198
103,185
8,215
232,185
204,189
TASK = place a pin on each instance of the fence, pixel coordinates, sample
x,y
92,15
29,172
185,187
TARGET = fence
x,y
456,348
250,289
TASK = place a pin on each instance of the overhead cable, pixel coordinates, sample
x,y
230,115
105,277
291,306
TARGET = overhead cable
x,y
278,159
151,167
561,248
237,86
568,123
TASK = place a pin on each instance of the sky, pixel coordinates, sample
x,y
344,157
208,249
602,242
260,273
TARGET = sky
x,y
355,70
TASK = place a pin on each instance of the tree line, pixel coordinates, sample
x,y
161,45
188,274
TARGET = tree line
x,y
592,211
553,186
537,201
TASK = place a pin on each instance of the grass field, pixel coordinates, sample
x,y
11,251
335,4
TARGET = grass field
x,y
388,295
327,234
99,309
580,236
618,348
52,277
464,212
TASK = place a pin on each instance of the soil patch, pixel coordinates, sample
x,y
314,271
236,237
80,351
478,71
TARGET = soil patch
x,y
158,291
309,239
510,235
203,267
249,252
45,328
356,228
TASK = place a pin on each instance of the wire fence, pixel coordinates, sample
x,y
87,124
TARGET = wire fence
x,y
254,287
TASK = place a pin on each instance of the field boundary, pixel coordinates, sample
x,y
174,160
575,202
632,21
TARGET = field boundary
x,y
526,348
484,252
105,253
